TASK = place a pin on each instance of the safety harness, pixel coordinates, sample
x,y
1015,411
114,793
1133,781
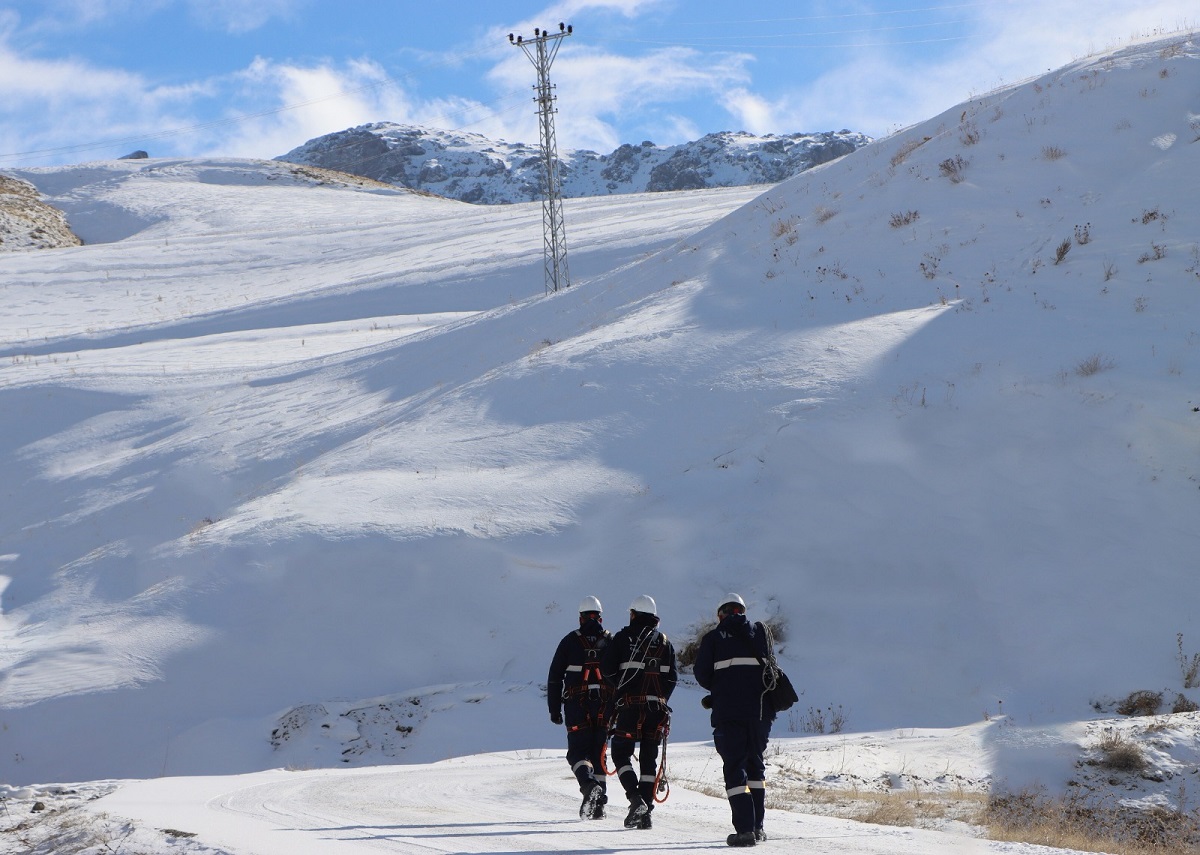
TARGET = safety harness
x,y
646,660
591,692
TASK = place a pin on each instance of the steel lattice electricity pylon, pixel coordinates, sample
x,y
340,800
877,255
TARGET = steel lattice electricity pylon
x,y
541,50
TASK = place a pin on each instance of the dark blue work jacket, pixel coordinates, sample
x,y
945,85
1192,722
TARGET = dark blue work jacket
x,y
574,683
727,664
640,664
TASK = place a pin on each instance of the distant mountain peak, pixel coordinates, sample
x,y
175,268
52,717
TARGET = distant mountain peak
x,y
472,168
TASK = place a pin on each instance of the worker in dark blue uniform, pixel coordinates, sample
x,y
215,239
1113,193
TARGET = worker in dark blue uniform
x,y
731,665
640,665
575,687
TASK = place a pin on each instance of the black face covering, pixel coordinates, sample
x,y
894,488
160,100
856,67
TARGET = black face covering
x,y
643,620
737,624
591,627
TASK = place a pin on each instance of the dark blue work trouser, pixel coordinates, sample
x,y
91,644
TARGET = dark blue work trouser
x,y
742,744
640,727
585,750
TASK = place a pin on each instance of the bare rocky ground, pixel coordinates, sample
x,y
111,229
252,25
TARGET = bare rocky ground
x,y
26,222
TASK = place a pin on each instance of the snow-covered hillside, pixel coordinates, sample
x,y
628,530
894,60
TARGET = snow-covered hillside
x,y
203,287
472,168
281,454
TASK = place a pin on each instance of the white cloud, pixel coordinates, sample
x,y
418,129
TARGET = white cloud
x,y
32,81
567,9
878,90
242,16
310,101
77,13
674,127
870,94
752,112
232,16
65,109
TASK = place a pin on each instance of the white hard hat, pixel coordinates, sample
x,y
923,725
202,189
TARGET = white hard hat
x,y
731,599
589,604
644,604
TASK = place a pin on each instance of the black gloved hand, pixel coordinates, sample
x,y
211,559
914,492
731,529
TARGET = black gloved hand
x,y
556,717
706,702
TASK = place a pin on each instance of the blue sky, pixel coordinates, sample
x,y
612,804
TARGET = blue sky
x,y
92,79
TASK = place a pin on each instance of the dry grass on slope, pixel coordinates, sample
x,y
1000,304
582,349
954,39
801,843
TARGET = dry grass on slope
x,y
26,222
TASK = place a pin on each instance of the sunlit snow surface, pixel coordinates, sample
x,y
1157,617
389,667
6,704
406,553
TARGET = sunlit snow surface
x,y
274,445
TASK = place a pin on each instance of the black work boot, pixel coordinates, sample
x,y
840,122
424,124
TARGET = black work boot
x,y
591,801
637,811
741,838
598,812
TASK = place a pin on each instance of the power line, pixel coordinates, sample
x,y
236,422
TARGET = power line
x,y
750,40
895,28
797,45
868,14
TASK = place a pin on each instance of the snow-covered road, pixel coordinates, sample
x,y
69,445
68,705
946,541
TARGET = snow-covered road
x,y
505,802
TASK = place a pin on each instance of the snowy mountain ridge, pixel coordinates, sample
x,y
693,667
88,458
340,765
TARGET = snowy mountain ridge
x,y
471,168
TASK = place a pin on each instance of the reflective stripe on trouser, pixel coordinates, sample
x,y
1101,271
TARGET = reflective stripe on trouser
x,y
585,774
741,745
741,805
639,783
584,750
758,794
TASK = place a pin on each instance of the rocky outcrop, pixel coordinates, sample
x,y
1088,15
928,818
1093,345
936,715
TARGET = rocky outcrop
x,y
26,222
